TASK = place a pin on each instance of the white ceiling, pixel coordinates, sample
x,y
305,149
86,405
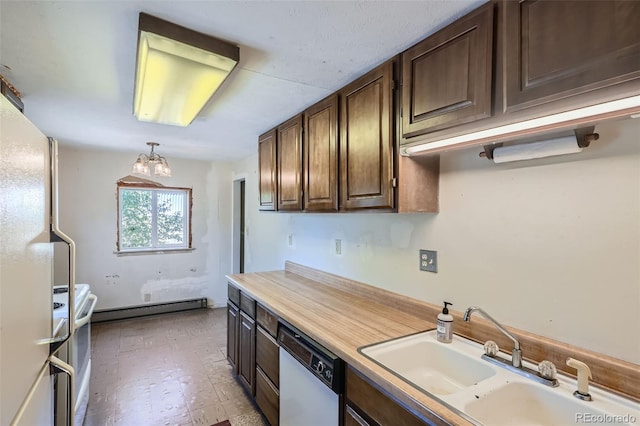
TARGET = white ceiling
x,y
73,62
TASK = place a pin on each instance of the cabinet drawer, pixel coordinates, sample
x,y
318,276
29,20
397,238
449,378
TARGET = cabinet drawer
x,y
267,398
248,305
377,406
267,320
353,418
268,355
233,293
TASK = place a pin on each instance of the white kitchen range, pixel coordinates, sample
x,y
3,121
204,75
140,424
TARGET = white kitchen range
x,y
76,351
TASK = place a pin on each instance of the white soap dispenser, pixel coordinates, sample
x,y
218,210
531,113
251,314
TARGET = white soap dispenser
x,y
444,331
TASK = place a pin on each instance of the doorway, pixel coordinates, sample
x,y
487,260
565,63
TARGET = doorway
x,y
238,239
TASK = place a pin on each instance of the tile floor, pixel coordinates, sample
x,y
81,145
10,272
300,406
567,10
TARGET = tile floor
x,y
166,369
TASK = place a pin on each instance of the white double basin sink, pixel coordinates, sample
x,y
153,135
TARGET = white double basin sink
x,y
487,394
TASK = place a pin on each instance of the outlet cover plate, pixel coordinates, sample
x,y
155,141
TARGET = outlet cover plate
x,y
429,260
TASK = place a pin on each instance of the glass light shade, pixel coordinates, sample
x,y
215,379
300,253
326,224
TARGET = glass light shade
x,y
174,80
140,167
162,169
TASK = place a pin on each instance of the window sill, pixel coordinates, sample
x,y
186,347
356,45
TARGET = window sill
x,y
142,252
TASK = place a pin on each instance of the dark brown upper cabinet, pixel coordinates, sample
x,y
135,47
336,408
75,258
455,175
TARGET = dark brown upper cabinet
x,y
267,183
447,78
366,140
320,150
289,141
555,50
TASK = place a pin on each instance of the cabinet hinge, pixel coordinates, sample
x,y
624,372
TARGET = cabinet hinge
x,y
394,84
394,182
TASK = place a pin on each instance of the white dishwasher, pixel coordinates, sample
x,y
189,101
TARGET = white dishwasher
x,y
311,381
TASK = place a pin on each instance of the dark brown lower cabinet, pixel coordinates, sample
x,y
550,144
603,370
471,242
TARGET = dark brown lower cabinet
x,y
352,418
247,352
268,355
233,323
268,375
368,406
253,352
267,397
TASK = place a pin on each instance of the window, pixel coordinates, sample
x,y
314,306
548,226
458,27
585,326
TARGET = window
x,y
151,218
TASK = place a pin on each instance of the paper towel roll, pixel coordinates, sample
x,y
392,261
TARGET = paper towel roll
x,y
548,148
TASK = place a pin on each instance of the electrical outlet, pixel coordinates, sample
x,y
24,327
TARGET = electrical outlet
x,y
290,240
338,246
429,260
147,297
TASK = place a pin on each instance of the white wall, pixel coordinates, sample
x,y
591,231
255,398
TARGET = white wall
x,y
551,246
88,215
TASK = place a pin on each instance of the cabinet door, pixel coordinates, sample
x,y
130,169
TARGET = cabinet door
x,y
267,183
233,323
247,352
320,149
366,141
557,49
376,407
446,78
289,153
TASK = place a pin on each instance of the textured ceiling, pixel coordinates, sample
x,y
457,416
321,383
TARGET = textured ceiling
x,y
73,62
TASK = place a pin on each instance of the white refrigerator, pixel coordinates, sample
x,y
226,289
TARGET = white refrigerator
x,y
26,385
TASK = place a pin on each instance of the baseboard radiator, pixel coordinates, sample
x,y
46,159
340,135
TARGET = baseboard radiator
x,y
146,310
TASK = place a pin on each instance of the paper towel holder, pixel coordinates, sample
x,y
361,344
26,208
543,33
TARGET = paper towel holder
x,y
584,137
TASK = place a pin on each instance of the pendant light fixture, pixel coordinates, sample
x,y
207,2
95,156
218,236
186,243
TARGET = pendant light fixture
x,y
143,164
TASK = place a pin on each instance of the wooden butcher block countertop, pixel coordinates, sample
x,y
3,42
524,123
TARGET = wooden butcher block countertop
x,y
343,315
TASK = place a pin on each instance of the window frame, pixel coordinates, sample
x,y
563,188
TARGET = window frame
x,y
155,188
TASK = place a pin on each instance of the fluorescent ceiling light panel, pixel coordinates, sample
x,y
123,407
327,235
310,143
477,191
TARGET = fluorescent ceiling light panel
x,y
177,71
580,113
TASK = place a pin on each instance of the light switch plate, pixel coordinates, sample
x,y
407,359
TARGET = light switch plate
x,y
429,260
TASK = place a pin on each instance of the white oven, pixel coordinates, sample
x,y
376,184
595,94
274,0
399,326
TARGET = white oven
x,y
76,352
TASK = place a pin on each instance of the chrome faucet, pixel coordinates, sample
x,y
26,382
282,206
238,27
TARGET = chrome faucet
x,y
516,355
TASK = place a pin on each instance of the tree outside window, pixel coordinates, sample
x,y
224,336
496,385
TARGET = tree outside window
x,y
153,218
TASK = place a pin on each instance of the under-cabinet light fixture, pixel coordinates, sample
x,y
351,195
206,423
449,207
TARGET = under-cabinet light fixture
x,y
584,114
143,164
177,71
